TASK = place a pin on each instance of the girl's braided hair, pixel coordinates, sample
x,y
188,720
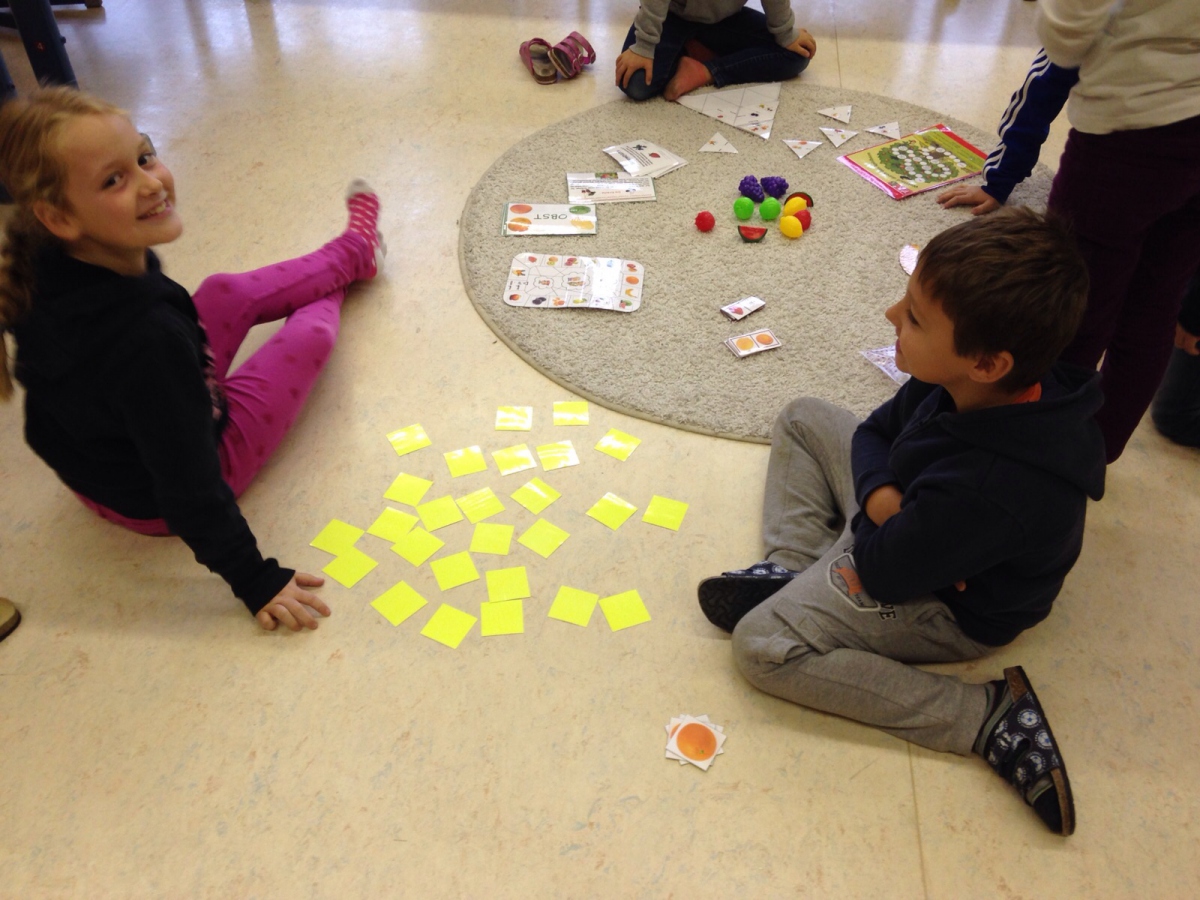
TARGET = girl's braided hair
x,y
31,170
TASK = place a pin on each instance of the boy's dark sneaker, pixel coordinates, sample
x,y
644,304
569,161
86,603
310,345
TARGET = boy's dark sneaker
x,y
1017,742
728,597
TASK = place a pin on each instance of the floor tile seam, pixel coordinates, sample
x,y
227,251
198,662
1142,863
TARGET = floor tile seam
x,y
912,778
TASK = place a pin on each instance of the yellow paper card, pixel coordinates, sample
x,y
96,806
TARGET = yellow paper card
x,y
449,626
480,505
618,444
514,459
507,584
506,617
439,513
453,570
417,546
466,461
612,511
535,495
665,512
494,539
349,567
392,524
624,610
557,455
573,605
543,538
406,440
408,489
514,418
398,602
336,537
570,412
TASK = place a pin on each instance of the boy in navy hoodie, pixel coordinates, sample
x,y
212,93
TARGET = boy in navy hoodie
x,y
943,525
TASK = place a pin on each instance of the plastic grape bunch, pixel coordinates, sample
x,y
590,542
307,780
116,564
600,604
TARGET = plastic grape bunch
x,y
750,187
775,185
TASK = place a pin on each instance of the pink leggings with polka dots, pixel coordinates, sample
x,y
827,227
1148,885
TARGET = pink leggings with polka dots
x,y
267,391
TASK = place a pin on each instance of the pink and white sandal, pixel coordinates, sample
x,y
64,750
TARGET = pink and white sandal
x,y
537,56
571,54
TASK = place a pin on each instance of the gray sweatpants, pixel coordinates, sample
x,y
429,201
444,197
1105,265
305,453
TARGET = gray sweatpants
x,y
822,641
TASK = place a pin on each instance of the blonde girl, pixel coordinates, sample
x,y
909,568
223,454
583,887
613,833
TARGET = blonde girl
x,y
128,394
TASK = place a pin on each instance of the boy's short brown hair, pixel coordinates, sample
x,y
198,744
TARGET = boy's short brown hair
x,y
1013,280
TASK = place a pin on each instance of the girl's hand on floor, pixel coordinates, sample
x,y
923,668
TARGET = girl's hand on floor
x,y
805,44
630,62
291,605
980,201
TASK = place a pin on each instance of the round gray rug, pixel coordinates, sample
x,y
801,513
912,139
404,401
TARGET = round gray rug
x,y
825,292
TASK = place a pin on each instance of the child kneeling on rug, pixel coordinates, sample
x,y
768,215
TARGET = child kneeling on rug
x,y
677,46
943,525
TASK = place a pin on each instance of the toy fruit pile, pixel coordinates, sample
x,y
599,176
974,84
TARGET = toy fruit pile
x,y
792,212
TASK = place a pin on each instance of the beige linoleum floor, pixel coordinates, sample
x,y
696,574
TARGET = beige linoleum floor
x,y
155,743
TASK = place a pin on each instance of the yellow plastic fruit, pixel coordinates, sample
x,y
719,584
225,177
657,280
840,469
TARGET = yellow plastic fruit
x,y
791,227
794,206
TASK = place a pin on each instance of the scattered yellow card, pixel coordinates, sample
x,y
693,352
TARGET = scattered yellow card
x,y
408,489
624,610
392,524
514,459
543,538
439,513
466,461
398,602
406,440
449,626
612,511
505,617
618,444
349,567
494,539
570,412
453,570
507,584
535,495
514,418
480,505
665,512
336,537
573,605
557,455
417,546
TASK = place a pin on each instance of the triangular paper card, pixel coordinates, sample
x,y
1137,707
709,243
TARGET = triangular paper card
x,y
889,130
838,136
751,108
718,143
803,148
841,113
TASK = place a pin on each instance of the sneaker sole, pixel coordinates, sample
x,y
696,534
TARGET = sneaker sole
x,y
1019,686
724,600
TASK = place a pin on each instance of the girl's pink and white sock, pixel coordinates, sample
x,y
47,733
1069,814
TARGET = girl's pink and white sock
x,y
363,205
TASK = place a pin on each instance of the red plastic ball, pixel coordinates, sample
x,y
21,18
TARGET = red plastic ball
x,y
705,221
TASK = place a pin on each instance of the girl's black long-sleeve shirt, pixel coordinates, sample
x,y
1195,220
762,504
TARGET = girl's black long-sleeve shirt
x,y
118,404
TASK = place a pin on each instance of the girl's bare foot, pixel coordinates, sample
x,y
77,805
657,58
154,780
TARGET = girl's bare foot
x,y
690,75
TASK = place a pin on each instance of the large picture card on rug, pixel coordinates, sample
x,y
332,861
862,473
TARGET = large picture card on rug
x,y
558,281
607,187
917,162
549,218
645,159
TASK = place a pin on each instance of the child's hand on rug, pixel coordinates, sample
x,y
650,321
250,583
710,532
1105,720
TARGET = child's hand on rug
x,y
804,44
630,62
980,201
291,605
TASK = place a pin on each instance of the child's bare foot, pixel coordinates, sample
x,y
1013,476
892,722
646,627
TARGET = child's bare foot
x,y
698,51
690,75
